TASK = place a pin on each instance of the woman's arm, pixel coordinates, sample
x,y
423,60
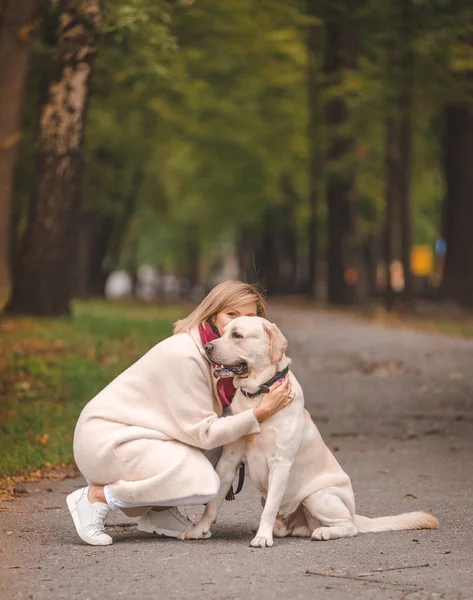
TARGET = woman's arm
x,y
192,410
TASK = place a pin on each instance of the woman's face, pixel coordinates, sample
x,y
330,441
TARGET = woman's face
x,y
241,310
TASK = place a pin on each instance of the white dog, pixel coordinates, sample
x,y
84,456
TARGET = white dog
x,y
302,484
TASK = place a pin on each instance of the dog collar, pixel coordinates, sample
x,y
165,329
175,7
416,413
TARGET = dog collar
x,y
264,388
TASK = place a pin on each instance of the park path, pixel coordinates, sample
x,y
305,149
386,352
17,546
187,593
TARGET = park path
x,y
396,407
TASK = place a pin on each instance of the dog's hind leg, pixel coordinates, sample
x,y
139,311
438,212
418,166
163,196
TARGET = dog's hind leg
x,y
294,525
332,514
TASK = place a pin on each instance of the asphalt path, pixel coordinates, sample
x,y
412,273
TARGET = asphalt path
x,y
396,408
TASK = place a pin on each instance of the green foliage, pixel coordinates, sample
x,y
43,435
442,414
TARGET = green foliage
x,y
206,130
198,109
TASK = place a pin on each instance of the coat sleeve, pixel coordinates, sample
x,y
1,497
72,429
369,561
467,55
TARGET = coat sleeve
x,y
192,412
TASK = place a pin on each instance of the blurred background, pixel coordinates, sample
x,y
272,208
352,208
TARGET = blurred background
x,y
151,149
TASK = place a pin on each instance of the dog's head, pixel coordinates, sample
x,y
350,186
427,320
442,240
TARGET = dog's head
x,y
248,345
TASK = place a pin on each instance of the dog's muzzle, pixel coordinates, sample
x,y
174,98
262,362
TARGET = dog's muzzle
x,y
222,370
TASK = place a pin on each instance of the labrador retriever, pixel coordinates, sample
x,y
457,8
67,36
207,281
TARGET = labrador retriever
x,y
305,491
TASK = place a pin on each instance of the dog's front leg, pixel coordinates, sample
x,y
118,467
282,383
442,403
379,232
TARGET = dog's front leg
x,y
227,467
277,482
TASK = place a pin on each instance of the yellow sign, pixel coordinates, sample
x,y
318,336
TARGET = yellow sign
x,y
422,261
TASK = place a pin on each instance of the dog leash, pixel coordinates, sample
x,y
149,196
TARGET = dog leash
x,y
241,478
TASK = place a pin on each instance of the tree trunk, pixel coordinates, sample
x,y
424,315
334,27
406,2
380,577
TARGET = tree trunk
x,y
370,256
95,232
399,148
99,269
315,158
289,235
458,272
405,146
244,255
192,256
17,26
121,224
340,54
43,277
268,250
391,196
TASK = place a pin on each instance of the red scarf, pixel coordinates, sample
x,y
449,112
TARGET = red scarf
x,y
225,388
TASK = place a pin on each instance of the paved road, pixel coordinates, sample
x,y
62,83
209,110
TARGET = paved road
x,y
396,406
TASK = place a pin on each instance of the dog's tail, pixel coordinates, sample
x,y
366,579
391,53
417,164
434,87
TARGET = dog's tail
x,y
411,520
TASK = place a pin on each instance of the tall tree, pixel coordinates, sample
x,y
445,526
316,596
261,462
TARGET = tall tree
x,y
400,72
340,56
458,274
315,146
17,26
42,278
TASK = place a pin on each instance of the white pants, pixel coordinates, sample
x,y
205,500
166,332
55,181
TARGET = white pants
x,y
194,500
213,456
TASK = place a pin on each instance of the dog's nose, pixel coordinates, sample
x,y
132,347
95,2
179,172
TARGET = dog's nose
x,y
208,347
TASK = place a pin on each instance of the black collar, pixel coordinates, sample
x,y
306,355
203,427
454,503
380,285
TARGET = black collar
x,y
264,388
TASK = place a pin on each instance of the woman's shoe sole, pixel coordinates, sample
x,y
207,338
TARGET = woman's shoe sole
x,y
161,532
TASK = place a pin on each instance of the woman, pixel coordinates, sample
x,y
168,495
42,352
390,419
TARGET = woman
x,y
139,442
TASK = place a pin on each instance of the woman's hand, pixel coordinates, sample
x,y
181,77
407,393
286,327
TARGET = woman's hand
x,y
279,396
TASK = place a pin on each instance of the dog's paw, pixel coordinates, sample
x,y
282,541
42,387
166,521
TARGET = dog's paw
x,y
261,542
321,534
196,533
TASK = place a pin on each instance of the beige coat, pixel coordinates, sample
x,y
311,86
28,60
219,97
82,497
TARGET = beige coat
x,y
143,434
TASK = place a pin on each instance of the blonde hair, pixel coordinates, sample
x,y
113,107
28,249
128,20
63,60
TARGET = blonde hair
x,y
226,295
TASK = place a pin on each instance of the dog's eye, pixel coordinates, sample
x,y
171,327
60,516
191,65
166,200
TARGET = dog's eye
x,y
236,335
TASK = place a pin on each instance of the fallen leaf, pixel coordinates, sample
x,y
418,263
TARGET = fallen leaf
x,y
42,439
410,496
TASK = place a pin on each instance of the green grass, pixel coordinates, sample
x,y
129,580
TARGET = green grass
x,y
50,368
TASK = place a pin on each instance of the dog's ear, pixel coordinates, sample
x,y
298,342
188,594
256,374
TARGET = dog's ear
x,y
277,341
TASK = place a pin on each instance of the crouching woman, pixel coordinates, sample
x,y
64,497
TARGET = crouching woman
x,y
139,442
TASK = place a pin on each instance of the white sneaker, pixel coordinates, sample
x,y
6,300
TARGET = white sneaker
x,y
88,518
168,523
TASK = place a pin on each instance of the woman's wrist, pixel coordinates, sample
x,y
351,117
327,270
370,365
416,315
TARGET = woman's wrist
x,y
260,414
